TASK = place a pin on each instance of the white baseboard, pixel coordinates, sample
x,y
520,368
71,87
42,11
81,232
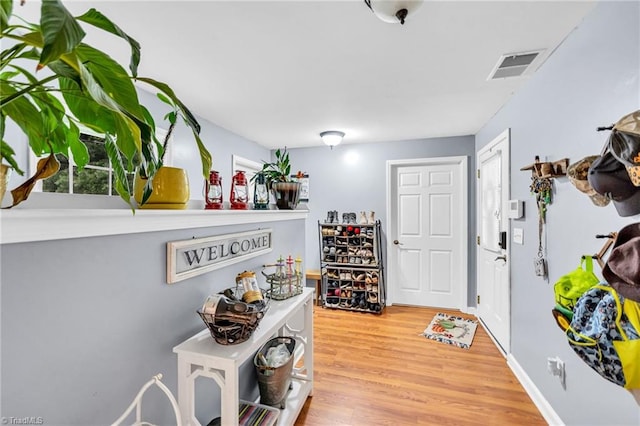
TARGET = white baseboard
x,y
534,393
471,310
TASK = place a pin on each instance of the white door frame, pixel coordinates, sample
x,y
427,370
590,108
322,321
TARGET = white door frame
x,y
392,165
506,134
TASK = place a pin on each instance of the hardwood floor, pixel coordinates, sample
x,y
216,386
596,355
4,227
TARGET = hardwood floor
x,y
378,370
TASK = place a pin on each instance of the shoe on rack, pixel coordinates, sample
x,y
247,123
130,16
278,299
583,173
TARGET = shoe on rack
x,y
353,218
345,218
362,303
363,218
371,218
329,217
335,217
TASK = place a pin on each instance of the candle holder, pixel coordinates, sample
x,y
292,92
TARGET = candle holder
x,y
239,197
213,192
260,193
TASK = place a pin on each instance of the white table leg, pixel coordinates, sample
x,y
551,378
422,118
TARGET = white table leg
x,y
230,398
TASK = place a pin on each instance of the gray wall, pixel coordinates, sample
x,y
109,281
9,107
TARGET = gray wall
x,y
85,322
352,178
590,81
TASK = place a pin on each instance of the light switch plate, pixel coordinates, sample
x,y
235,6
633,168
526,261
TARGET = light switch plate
x,y
518,235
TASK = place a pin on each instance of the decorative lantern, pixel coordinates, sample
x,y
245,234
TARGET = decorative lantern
x,y
260,193
239,197
213,191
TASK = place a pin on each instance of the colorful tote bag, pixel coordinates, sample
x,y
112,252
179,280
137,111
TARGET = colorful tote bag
x,y
604,333
571,286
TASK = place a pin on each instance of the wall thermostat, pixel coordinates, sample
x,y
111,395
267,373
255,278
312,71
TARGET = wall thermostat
x,y
516,209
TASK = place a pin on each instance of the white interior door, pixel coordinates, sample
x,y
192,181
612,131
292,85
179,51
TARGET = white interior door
x,y
427,238
494,308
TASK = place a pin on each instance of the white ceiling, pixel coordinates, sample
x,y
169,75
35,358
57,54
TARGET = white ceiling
x,y
280,72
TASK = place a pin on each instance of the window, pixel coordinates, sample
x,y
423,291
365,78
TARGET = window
x,y
95,178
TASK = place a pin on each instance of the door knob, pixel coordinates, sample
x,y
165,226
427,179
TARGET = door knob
x,y
503,257
396,242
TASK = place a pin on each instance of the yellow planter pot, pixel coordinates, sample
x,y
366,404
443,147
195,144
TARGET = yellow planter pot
x,y
170,189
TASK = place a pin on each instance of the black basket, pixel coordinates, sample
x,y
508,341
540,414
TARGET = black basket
x,y
235,327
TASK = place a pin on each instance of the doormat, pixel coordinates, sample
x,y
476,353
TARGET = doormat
x,y
451,330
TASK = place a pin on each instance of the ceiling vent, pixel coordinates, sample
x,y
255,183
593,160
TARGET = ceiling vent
x,y
514,65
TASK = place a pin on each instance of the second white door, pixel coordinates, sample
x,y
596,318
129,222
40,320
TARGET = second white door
x,y
494,294
428,232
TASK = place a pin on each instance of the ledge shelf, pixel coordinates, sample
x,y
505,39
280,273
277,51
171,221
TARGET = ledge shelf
x,y
29,225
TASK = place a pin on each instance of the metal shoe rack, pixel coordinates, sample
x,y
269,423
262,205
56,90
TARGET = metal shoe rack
x,y
351,266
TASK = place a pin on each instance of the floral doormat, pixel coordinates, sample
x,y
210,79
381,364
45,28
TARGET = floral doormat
x,y
451,330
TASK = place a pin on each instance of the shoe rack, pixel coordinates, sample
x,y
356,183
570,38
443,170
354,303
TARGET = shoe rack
x,y
351,266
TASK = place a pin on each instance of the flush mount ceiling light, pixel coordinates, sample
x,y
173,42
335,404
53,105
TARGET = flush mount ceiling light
x,y
393,11
332,137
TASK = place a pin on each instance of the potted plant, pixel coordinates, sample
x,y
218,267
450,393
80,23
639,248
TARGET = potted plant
x,y
79,86
277,175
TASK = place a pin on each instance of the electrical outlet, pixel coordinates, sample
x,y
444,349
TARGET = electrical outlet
x,y
518,235
555,367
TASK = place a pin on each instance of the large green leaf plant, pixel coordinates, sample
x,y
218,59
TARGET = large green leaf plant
x,y
52,85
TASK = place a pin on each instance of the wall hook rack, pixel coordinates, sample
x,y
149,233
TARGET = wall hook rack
x,y
599,256
548,169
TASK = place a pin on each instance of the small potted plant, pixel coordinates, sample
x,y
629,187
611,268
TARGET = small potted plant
x,y
277,174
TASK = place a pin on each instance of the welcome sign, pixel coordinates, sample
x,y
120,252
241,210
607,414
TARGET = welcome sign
x,y
189,258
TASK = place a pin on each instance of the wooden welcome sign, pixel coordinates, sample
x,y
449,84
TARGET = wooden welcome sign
x,y
189,258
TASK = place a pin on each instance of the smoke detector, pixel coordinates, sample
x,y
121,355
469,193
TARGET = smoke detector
x,y
514,65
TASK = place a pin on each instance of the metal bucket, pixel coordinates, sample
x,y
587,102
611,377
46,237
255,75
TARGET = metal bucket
x,y
274,383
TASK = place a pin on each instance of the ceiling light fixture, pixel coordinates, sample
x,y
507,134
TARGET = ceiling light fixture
x,y
332,137
393,11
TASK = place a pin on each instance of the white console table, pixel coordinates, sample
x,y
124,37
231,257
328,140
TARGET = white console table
x,y
201,356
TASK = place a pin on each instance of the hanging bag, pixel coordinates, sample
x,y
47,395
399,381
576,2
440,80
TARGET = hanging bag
x,y
571,286
604,334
